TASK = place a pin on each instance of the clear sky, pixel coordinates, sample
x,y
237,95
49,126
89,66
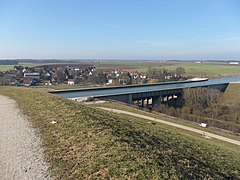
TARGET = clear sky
x,y
120,29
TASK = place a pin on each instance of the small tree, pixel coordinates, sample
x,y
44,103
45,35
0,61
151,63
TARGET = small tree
x,y
60,76
180,71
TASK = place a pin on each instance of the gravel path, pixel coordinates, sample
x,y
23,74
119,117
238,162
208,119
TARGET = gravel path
x,y
21,156
206,134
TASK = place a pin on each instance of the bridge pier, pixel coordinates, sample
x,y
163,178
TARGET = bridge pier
x,y
130,101
142,102
156,101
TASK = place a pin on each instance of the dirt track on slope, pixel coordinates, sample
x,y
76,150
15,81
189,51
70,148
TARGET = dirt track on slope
x,y
204,133
21,156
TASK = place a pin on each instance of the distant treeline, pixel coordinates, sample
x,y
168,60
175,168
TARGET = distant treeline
x,y
49,61
9,62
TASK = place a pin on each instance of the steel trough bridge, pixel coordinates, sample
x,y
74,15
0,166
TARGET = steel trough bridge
x,y
150,94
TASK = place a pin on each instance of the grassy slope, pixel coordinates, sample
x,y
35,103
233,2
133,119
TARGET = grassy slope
x,y
90,143
232,95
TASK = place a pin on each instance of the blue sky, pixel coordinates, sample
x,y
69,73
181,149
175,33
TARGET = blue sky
x,y
120,29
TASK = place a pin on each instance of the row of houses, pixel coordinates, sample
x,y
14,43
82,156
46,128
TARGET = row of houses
x,y
77,74
41,75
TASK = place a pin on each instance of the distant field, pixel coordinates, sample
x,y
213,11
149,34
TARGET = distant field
x,y
126,64
208,69
6,67
205,69
10,67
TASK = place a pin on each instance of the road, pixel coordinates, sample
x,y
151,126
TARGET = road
x,y
204,133
21,155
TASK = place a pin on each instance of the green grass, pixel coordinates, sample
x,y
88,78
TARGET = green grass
x,y
6,67
208,69
87,143
10,67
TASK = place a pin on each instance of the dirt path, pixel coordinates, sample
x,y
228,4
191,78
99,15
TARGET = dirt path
x,y
20,154
206,134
